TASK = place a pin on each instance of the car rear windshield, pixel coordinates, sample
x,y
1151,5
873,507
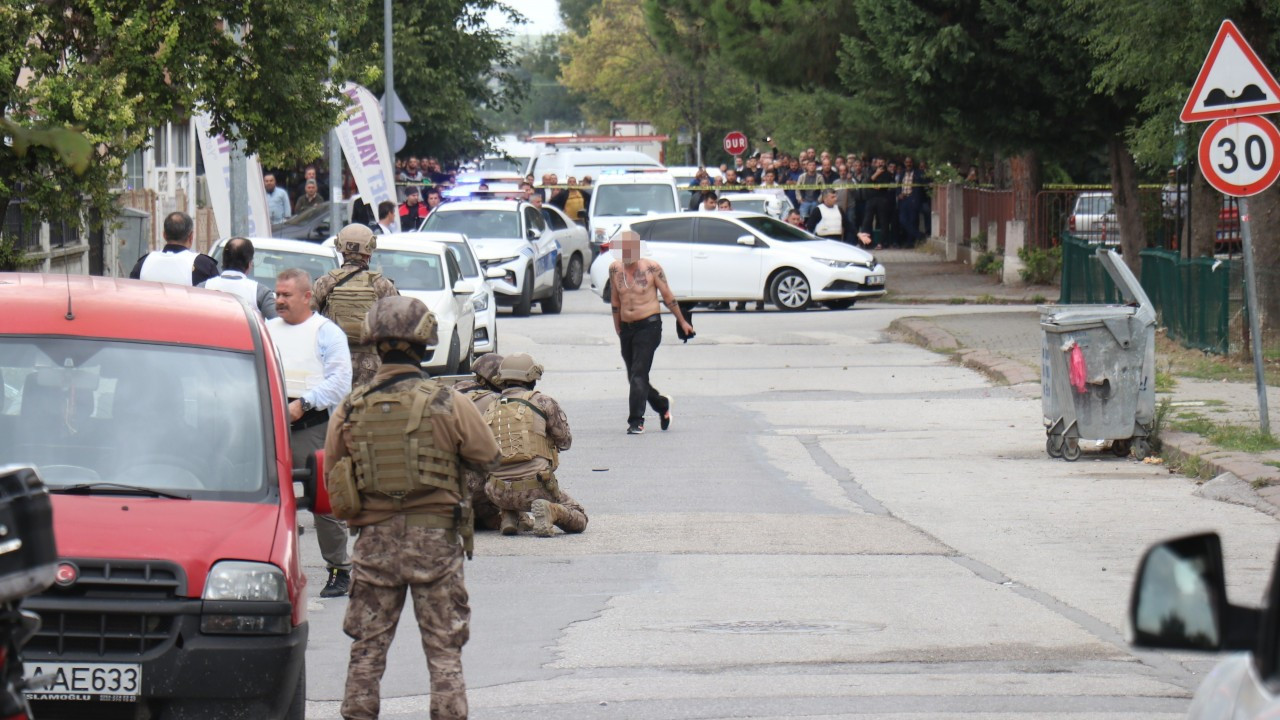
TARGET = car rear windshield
x,y
618,200
1093,204
777,230
755,206
409,270
475,223
170,418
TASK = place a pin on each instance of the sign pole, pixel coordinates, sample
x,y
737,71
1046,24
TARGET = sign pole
x,y
1251,299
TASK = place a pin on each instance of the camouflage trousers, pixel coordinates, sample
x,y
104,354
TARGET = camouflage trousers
x,y
519,494
364,365
391,558
488,516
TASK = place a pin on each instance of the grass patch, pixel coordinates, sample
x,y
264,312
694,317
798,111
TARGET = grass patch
x,y
1225,435
1039,299
1165,382
1272,463
1200,365
987,299
957,301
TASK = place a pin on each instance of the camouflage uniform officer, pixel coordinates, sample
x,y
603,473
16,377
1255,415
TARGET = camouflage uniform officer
x,y
483,389
532,431
394,458
346,294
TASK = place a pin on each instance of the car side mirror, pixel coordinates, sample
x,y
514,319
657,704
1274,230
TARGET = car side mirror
x,y
534,233
748,240
315,494
1179,600
494,273
582,214
322,230
462,287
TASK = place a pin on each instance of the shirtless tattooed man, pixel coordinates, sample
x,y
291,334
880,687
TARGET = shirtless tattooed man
x,y
637,318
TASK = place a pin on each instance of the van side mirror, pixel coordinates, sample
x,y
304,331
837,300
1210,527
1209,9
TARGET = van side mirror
x,y
1179,600
315,495
748,240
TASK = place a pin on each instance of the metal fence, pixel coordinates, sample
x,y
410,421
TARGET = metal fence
x,y
1087,212
991,209
1193,297
22,226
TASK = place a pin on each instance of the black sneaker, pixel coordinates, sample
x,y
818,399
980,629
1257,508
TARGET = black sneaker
x,y
338,585
635,429
665,420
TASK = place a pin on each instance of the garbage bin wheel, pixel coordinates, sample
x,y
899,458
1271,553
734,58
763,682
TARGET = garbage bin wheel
x,y
1053,446
1071,449
1142,448
1120,448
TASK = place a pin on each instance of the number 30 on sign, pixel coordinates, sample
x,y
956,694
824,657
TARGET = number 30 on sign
x,y
1238,156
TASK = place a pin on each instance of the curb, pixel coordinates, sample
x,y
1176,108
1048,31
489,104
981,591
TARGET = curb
x,y
1179,446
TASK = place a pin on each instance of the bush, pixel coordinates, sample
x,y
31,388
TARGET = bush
x,y
1041,267
988,263
979,242
12,258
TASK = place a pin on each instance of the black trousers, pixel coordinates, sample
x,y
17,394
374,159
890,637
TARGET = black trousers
x,y
879,209
640,341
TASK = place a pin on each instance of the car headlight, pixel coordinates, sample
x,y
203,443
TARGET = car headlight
x,y
871,263
238,580
480,302
836,263
501,261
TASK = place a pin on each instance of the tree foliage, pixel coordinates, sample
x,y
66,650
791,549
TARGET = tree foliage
x,y
538,63
453,72
116,68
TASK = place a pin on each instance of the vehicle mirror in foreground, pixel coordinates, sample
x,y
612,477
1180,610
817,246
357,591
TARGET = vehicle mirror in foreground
x,y
1180,600
495,273
315,496
462,287
534,233
748,240
582,214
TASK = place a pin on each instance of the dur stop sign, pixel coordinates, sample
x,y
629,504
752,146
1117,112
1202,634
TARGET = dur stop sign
x,y
735,143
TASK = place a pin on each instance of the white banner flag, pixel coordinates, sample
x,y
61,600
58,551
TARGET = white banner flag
x,y
216,151
363,137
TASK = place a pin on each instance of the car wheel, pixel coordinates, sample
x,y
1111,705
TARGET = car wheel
x,y
573,279
464,365
790,290
841,304
554,303
298,705
524,305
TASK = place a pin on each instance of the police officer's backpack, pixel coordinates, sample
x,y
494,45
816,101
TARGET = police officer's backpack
x,y
514,420
350,299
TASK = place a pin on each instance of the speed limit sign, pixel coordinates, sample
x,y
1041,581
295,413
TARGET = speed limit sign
x,y
1238,156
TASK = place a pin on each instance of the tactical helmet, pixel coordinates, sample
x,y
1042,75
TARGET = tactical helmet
x,y
356,239
520,367
399,318
486,368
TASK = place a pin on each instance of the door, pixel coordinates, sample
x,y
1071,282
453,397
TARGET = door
x,y
546,250
465,311
669,243
722,268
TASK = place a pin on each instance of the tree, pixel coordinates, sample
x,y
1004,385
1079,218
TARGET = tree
x,y
115,69
538,64
577,14
453,72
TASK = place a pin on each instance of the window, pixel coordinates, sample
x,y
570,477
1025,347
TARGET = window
x,y
180,152
455,273
719,232
161,135
777,230
554,219
667,231
533,218
175,419
466,261
135,171
409,270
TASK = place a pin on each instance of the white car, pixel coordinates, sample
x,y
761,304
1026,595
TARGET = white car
x,y
430,272
617,200
520,254
766,203
684,175
486,307
575,251
735,256
1180,602
271,256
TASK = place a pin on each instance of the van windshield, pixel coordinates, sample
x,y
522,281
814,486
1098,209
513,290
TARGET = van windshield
x,y
618,200
174,419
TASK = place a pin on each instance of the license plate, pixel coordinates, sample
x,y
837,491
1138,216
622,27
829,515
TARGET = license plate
x,y
83,681
875,280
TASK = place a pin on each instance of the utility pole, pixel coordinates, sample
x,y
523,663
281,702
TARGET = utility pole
x,y
388,117
239,183
335,158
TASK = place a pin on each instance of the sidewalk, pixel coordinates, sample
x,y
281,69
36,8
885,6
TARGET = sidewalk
x,y
1006,346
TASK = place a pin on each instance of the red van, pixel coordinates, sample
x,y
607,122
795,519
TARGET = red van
x,y
156,416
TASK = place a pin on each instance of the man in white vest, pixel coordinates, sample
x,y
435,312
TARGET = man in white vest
x,y
826,220
176,263
237,259
317,374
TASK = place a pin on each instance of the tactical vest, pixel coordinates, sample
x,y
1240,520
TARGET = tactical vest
x,y
349,301
394,442
520,427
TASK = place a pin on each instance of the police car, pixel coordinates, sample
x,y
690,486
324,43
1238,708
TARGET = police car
x,y
519,252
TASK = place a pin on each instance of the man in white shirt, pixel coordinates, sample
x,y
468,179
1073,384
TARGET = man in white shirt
x,y
176,263
317,372
237,260
826,220
278,204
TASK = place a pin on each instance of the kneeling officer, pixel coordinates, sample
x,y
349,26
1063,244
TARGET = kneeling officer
x,y
393,459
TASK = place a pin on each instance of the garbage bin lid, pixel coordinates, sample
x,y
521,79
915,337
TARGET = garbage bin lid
x,y
1123,277
1087,316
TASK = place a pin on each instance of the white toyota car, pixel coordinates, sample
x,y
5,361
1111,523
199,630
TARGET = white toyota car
x,y
735,256
271,256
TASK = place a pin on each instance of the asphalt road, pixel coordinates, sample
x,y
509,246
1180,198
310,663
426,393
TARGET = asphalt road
x,y
836,525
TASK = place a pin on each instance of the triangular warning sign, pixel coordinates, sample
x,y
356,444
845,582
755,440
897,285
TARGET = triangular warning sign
x,y
1233,82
